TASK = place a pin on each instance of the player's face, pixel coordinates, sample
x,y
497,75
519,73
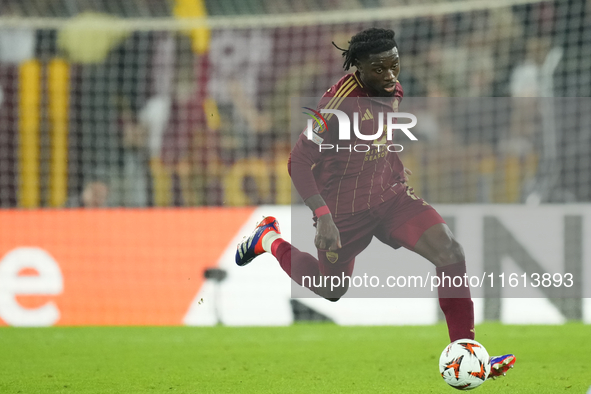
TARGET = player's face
x,y
380,71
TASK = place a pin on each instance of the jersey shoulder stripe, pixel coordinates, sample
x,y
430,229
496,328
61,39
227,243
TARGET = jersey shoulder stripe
x,y
399,92
347,85
341,99
357,80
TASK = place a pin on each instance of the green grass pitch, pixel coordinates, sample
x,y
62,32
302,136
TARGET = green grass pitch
x,y
304,358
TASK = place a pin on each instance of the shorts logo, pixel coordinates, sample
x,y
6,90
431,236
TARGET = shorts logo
x,y
332,257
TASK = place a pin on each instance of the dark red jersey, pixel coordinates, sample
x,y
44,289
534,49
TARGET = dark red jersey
x,y
350,181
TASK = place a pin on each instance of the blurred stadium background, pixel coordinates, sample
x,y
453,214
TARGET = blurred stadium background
x,y
126,101
185,103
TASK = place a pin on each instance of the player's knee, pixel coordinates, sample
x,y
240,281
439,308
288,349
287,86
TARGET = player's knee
x,y
333,295
458,252
451,252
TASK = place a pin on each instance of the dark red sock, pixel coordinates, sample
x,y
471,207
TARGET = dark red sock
x,y
295,263
455,302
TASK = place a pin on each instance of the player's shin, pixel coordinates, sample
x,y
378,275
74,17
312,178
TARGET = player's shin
x,y
298,265
303,269
455,302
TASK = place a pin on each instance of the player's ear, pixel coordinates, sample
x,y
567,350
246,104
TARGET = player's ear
x,y
357,64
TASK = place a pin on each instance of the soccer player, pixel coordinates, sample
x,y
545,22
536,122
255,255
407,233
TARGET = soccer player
x,y
358,195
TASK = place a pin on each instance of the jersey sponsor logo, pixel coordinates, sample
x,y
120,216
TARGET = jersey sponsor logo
x,y
375,155
378,151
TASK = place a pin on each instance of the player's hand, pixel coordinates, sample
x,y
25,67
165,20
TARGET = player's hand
x,y
327,234
407,173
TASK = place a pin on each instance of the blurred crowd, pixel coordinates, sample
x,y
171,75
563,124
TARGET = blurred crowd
x,y
157,118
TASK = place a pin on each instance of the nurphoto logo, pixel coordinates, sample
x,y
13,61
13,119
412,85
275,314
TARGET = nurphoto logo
x,y
318,124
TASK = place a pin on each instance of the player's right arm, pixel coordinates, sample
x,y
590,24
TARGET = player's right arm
x,y
300,165
304,156
327,233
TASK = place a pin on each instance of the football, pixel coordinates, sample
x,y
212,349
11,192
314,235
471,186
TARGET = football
x,y
464,364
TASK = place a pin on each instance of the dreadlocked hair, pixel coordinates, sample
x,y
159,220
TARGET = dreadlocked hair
x,y
365,43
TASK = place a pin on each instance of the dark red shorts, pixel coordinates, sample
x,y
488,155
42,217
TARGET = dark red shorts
x,y
397,222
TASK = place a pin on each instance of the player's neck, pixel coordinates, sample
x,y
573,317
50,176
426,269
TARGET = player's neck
x,y
364,86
